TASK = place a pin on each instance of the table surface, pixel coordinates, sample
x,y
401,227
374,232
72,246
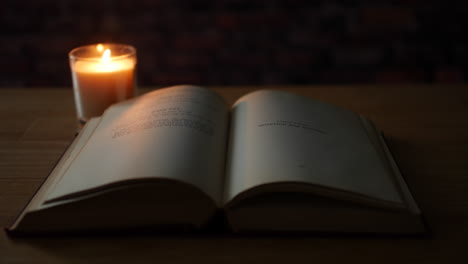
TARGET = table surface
x,y
427,129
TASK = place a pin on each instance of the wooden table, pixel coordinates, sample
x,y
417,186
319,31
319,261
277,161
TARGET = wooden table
x,y
427,127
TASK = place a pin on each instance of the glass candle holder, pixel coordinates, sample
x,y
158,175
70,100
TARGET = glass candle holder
x,y
103,74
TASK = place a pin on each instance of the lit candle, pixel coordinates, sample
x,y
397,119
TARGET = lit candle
x,y
102,74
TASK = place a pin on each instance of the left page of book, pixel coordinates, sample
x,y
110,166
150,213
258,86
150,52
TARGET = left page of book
x,y
176,133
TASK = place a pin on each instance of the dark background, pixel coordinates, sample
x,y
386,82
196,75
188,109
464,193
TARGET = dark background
x,y
238,42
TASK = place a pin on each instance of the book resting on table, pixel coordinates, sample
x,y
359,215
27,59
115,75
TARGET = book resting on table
x,y
174,158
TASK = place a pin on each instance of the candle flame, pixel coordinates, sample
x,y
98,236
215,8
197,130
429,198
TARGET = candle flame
x,y
106,56
100,47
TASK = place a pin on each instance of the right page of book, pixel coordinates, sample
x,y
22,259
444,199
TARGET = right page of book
x,y
280,137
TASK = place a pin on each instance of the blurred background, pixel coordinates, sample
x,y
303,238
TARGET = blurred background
x,y
238,42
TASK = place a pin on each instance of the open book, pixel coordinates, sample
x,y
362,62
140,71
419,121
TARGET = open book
x,y
274,161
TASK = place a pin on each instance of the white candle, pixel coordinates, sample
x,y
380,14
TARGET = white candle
x,y
101,79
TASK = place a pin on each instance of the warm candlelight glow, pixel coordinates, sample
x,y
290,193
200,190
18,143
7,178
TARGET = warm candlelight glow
x,y
107,64
106,56
102,76
99,47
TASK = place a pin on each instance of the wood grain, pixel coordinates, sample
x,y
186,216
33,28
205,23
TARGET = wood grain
x,y
427,128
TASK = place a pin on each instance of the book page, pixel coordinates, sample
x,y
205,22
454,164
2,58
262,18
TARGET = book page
x,y
281,137
176,133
